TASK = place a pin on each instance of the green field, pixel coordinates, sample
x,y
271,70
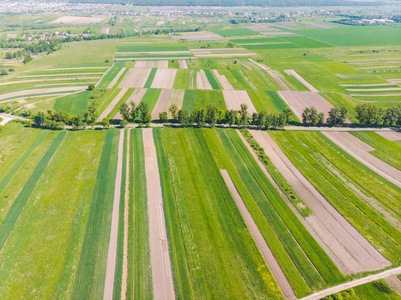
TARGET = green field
x,y
212,80
150,48
123,99
150,79
315,156
272,46
189,100
91,269
151,96
182,79
204,231
73,104
236,32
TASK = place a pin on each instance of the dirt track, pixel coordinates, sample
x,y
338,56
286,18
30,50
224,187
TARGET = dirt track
x,y
163,287
360,151
112,253
391,135
223,81
351,284
234,99
348,249
298,101
115,79
161,104
260,242
183,64
301,80
135,78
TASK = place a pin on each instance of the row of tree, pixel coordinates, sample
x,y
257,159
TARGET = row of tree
x,y
372,115
337,117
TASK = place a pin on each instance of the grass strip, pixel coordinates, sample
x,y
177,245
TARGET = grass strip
x,y
151,77
120,240
286,264
213,82
151,96
107,102
238,76
108,78
9,221
189,100
139,266
91,271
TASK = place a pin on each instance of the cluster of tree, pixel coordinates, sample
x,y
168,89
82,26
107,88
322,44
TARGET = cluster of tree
x,y
337,117
132,112
372,115
34,48
58,120
230,3
212,115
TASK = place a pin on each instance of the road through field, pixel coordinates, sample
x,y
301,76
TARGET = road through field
x,y
348,249
360,151
351,284
260,242
163,287
112,253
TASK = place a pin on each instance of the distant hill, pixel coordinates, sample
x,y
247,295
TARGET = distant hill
x,y
263,3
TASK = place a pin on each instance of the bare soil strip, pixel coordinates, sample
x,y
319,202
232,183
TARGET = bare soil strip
x,y
360,151
391,135
351,284
394,283
112,253
202,83
79,68
105,30
301,80
225,55
348,249
135,97
161,104
318,26
394,80
42,91
115,79
378,67
124,282
277,33
260,242
298,101
176,97
77,20
374,95
223,81
164,79
183,64
112,104
219,49
135,78
154,52
160,64
197,36
56,75
63,84
375,90
163,287
276,75
371,84
374,62
234,99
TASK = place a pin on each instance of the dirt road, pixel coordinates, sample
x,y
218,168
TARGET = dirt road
x,y
163,287
348,249
351,284
260,242
112,254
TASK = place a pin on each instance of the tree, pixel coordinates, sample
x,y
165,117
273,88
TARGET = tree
x,y
91,87
125,111
92,111
173,109
282,120
106,123
337,116
262,117
147,118
320,119
163,117
211,114
123,123
200,117
369,114
183,117
39,119
143,108
232,116
288,115
134,112
310,116
255,118
244,115
392,115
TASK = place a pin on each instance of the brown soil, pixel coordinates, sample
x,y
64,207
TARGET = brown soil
x,y
202,83
160,64
112,104
183,64
163,287
223,81
260,242
161,104
112,253
164,79
301,80
135,78
349,250
43,91
115,79
391,135
298,101
234,99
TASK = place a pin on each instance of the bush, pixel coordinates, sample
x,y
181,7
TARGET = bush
x,y
123,123
91,87
4,72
